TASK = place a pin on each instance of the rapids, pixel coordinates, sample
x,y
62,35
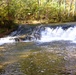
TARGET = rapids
x,y
39,50
42,33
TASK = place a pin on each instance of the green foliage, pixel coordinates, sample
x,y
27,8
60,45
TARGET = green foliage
x,y
49,10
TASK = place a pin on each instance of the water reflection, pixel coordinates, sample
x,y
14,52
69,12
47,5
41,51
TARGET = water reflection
x,y
55,58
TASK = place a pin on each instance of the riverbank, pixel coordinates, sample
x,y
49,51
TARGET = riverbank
x,y
4,31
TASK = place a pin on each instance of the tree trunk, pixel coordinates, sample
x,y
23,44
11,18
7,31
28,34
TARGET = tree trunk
x,y
70,7
39,3
74,8
64,6
59,12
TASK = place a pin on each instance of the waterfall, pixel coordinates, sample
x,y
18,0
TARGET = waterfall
x,y
8,39
58,33
42,34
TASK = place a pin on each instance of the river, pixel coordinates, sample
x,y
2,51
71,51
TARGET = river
x,y
54,53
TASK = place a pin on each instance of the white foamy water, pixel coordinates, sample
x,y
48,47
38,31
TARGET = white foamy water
x,y
51,34
48,35
8,39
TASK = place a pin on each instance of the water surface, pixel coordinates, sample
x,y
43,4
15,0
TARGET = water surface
x,y
30,58
50,51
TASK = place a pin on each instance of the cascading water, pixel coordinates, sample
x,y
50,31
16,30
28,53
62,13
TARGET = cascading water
x,y
8,39
42,34
58,33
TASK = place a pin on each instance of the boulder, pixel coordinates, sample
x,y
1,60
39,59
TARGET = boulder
x,y
20,38
24,37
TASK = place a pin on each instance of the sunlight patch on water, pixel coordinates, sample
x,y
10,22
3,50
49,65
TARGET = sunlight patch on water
x,y
56,58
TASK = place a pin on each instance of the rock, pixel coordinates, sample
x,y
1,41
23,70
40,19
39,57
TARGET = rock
x,y
1,68
20,38
24,37
37,36
29,37
17,39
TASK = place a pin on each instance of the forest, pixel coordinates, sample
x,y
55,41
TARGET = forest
x,y
14,12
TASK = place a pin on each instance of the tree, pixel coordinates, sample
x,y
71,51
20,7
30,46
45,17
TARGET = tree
x,y
70,6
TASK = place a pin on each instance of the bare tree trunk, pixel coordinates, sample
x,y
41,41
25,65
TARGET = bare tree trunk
x,y
70,7
59,13
39,3
74,8
64,6
8,9
74,12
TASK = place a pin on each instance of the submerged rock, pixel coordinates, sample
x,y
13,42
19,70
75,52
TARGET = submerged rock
x,y
20,38
35,34
24,37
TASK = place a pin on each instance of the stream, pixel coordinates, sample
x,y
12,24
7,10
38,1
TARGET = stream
x,y
52,51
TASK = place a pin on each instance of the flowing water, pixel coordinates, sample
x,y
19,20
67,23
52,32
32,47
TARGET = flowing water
x,y
50,51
